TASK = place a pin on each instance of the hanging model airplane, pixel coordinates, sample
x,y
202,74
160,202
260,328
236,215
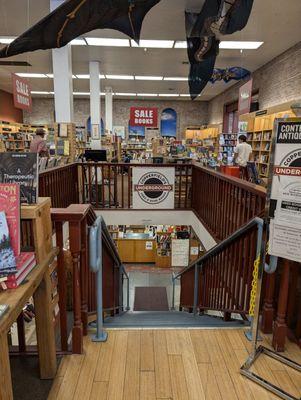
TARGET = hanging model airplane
x,y
76,17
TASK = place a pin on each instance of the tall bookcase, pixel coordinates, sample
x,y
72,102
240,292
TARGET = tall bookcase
x,y
259,136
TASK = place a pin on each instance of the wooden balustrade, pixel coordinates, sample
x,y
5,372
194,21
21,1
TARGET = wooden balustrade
x,y
224,203
225,279
61,184
109,185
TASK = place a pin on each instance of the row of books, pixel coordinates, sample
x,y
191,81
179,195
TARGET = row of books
x,y
14,265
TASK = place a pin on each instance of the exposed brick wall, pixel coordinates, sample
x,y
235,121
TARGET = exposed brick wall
x,y
278,81
8,112
189,113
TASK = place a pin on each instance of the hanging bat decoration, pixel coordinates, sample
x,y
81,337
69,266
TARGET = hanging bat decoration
x,y
76,17
217,17
229,74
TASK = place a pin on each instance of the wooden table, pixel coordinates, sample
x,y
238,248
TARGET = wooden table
x,y
38,285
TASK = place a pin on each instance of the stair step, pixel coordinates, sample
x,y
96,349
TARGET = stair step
x,y
168,319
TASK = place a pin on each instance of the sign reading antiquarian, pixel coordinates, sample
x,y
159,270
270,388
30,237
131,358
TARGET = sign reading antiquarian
x,y
22,93
144,116
153,188
285,202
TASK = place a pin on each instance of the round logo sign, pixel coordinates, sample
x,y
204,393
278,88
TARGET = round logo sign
x,y
153,188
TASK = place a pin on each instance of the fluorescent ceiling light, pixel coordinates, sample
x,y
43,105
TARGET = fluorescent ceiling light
x,y
181,44
51,76
171,78
168,95
125,94
240,45
107,42
123,77
184,95
78,42
149,78
87,76
39,92
154,44
147,95
6,40
31,75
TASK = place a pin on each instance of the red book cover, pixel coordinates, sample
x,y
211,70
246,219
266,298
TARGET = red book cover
x,y
23,260
14,283
10,204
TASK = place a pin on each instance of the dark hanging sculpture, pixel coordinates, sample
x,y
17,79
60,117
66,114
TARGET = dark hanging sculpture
x,y
229,74
202,31
76,17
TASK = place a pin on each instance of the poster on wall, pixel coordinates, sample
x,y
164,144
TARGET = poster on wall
x,y
153,188
245,97
285,202
169,123
136,130
180,252
95,134
144,116
119,131
21,92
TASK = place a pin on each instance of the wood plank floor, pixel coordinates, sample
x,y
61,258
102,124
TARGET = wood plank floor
x,y
170,364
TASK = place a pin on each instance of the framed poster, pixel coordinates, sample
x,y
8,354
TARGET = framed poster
x,y
285,199
63,130
180,253
95,134
153,188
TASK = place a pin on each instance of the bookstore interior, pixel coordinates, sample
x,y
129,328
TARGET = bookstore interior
x,y
148,205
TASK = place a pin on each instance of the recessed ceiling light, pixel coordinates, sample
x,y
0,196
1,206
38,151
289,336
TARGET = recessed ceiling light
x,y
147,94
39,92
125,94
81,93
6,40
149,78
87,76
123,77
154,44
171,78
78,42
107,42
168,95
240,45
181,44
31,75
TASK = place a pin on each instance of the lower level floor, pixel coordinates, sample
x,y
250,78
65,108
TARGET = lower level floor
x,y
178,364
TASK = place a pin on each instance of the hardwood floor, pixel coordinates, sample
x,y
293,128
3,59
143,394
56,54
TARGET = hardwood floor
x,y
170,364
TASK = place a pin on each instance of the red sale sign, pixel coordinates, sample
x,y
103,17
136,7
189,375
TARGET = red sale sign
x,y
22,93
144,116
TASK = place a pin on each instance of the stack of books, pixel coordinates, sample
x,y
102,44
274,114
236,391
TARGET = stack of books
x,y
14,265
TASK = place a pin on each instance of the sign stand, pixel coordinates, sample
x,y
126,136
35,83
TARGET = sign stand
x,y
256,351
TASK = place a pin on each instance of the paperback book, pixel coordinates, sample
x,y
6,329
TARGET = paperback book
x,y
7,257
10,205
22,169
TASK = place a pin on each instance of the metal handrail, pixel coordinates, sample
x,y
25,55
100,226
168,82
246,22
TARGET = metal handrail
x,y
216,249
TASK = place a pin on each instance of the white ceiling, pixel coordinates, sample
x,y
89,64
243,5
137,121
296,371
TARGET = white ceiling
x,y
275,22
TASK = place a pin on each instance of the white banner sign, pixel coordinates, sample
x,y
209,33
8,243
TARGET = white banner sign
x,y
154,188
179,252
285,204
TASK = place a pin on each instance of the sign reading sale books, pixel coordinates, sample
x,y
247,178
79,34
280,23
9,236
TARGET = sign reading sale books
x,y
22,93
144,116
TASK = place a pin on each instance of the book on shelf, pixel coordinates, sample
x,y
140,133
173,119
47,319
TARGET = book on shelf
x,y
3,309
10,205
25,264
7,257
22,169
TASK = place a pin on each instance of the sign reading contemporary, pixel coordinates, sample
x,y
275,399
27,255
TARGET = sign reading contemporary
x,y
153,188
285,203
144,116
22,93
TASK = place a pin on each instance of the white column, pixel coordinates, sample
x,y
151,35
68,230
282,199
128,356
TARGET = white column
x,y
109,110
62,79
95,105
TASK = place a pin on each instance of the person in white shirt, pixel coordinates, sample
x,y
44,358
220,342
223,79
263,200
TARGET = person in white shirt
x,y
243,154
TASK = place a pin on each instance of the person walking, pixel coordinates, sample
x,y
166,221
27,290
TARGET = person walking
x,y
38,144
243,154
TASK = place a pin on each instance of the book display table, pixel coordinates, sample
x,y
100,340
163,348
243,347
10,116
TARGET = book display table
x,y
37,285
